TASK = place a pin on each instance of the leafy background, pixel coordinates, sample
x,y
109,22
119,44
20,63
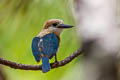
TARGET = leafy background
x,y
20,21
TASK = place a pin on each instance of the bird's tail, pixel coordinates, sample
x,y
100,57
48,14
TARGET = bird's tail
x,y
45,64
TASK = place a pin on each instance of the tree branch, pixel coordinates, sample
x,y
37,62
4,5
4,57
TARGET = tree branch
x,y
39,67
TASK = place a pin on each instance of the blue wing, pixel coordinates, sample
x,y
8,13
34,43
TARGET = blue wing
x,y
49,44
35,48
46,45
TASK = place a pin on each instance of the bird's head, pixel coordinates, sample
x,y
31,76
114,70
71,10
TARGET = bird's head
x,y
56,25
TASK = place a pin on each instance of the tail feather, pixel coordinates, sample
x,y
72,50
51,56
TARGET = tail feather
x,y
45,64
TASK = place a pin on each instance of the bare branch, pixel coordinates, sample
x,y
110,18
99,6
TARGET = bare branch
x,y
39,67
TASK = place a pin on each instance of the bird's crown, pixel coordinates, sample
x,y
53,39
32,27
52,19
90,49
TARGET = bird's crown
x,y
52,22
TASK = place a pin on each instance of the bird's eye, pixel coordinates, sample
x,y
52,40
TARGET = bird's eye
x,y
54,24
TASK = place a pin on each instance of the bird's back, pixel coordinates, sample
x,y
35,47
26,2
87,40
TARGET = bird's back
x,y
46,46
49,44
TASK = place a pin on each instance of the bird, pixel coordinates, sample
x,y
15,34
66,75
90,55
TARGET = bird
x,y
45,45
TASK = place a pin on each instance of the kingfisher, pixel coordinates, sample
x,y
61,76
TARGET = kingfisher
x,y
45,44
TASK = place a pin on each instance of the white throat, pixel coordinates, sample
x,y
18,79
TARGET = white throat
x,y
57,31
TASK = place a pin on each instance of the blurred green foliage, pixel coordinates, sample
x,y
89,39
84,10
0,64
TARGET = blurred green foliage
x,y
20,21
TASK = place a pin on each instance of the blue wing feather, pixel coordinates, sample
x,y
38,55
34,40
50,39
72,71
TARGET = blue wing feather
x,y
49,44
35,48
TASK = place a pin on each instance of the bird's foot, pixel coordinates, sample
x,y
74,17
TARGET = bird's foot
x,y
56,62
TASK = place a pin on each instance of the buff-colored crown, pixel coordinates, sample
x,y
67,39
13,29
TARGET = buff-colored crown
x,y
51,21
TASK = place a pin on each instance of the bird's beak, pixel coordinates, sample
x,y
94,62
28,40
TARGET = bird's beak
x,y
64,26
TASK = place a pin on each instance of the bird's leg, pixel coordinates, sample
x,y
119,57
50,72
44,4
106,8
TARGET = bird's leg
x,y
56,58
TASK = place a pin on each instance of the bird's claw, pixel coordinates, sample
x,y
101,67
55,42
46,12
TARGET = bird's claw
x,y
56,61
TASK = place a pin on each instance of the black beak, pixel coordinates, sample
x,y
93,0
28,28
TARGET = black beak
x,y
64,26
